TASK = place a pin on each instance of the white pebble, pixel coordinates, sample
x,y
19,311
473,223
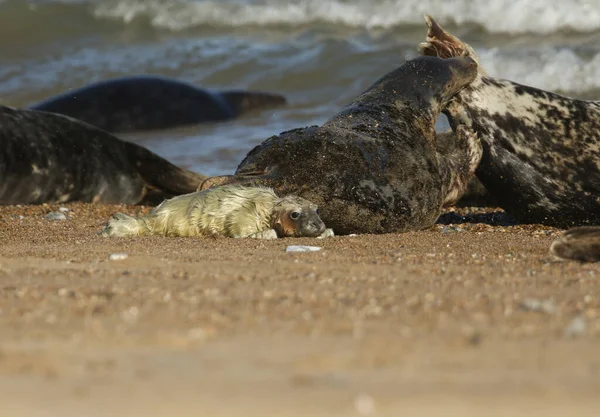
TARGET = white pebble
x,y
197,333
117,256
543,306
577,327
302,248
63,209
364,404
55,215
130,316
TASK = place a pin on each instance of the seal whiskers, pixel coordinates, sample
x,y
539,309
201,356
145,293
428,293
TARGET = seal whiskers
x,y
231,211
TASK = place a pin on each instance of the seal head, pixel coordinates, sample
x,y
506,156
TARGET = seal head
x,y
295,216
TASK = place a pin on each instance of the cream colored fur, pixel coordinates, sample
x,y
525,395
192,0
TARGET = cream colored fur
x,y
230,210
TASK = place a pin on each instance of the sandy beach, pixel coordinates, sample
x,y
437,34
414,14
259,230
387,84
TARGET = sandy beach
x,y
472,318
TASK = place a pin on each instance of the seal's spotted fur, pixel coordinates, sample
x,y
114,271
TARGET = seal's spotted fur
x,y
541,156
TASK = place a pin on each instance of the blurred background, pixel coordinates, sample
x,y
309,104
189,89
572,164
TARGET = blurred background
x,y
318,53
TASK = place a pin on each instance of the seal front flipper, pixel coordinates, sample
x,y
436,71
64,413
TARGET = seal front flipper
x,y
443,44
578,244
220,180
461,164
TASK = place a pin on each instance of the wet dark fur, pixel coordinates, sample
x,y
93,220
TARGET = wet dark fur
x,y
152,102
578,244
373,168
541,156
46,157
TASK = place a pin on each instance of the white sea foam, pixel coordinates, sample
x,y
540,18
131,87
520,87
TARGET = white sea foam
x,y
549,68
508,16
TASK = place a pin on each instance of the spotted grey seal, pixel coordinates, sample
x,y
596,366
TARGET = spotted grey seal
x,y
541,157
151,102
47,157
231,211
373,167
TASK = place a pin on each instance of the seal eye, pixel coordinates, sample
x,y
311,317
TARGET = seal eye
x,y
295,215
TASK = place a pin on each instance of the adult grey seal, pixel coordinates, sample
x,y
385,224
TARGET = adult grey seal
x,y
541,157
230,211
373,167
47,157
578,244
151,102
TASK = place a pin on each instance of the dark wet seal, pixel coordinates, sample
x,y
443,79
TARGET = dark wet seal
x,y
578,244
541,151
46,157
373,167
138,103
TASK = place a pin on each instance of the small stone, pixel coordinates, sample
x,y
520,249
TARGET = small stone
x,y
130,316
56,216
63,210
117,256
544,306
197,333
577,327
302,248
364,404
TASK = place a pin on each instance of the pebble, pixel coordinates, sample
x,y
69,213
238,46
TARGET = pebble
x,y
117,256
364,404
55,215
302,248
543,306
577,327
197,333
63,210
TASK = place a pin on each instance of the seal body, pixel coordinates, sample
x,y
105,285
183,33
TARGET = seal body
x,y
231,211
541,158
373,167
152,102
46,157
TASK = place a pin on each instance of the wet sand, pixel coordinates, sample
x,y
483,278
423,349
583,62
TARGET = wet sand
x,y
460,320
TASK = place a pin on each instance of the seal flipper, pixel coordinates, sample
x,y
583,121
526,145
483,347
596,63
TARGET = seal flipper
x,y
122,225
460,164
160,173
579,244
442,44
231,179
242,102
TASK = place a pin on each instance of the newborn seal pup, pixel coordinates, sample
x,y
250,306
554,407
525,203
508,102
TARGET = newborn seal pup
x,y
231,211
541,157
150,102
578,244
373,167
47,157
